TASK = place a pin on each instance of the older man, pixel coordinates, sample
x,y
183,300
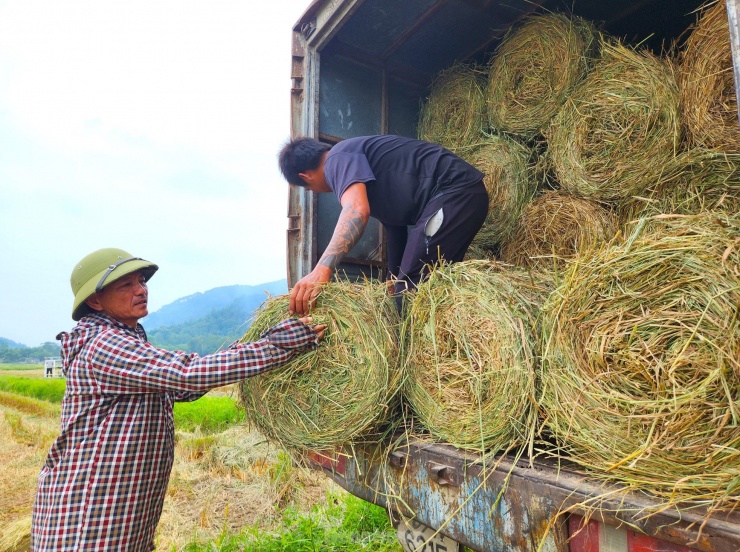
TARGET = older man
x,y
430,201
104,481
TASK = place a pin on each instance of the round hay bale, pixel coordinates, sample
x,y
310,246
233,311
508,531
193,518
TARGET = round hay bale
x,y
341,392
534,69
556,226
697,180
707,84
453,114
641,361
470,355
509,180
618,128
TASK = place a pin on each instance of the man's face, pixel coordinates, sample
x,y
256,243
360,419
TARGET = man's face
x,y
125,299
314,178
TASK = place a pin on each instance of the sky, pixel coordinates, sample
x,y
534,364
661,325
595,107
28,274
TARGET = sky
x,y
152,126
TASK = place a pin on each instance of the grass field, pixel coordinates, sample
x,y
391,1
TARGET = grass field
x,y
229,489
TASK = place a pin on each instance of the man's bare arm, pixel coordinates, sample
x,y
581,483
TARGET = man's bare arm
x,y
350,226
349,229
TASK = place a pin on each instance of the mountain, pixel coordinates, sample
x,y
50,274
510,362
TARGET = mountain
x,y
10,344
199,305
205,322
202,323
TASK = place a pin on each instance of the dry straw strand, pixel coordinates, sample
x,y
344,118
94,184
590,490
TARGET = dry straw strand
x,y
470,353
618,129
707,83
641,361
453,114
340,393
697,180
534,69
554,228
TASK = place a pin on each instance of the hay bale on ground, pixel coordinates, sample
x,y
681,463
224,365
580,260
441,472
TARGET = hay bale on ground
x,y
555,227
707,84
453,114
641,361
470,353
697,180
343,391
619,128
534,69
507,166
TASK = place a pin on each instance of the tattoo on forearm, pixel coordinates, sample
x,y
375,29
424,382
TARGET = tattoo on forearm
x,y
350,226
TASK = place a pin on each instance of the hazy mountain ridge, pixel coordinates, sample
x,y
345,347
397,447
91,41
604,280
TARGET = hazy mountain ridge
x,y
199,305
10,343
201,322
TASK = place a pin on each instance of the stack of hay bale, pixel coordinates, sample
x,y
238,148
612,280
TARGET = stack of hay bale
x,y
617,338
633,379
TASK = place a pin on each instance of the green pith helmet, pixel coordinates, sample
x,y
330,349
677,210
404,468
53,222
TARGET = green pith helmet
x,y
100,268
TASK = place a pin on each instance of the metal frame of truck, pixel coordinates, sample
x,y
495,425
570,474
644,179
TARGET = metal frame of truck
x,y
445,488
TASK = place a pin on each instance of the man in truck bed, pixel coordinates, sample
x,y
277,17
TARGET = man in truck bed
x,y
431,203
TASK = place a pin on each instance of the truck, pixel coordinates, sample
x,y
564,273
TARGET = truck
x,y
363,67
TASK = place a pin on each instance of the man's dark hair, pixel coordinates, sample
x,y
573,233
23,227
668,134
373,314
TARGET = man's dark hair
x,y
300,155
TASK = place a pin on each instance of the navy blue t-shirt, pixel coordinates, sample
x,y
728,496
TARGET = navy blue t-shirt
x,y
401,174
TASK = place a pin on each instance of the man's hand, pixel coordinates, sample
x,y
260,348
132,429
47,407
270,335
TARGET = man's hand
x,y
347,232
318,328
303,295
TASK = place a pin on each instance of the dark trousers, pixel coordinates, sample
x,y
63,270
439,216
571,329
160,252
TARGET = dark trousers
x,y
410,251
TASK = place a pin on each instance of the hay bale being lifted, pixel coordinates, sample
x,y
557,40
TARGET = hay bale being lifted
x,y
555,227
534,69
509,180
453,114
641,361
470,355
343,391
619,128
697,180
707,84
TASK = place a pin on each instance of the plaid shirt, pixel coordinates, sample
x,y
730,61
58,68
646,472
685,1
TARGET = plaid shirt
x,y
104,481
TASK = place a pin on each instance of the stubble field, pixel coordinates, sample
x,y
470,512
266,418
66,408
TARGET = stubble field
x,y
229,489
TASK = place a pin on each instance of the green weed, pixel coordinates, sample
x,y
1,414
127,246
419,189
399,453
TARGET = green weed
x,y
51,390
343,524
208,414
21,367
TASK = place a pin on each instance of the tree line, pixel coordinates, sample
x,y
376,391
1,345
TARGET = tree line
x,y
28,355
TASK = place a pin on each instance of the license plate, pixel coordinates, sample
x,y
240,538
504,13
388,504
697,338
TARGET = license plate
x,y
415,537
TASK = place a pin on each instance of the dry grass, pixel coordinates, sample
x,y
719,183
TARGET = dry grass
x,y
554,228
25,438
228,480
619,128
453,114
641,361
707,83
534,70
470,351
697,180
346,389
509,179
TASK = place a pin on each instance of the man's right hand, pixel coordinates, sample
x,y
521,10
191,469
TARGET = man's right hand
x,y
320,329
303,295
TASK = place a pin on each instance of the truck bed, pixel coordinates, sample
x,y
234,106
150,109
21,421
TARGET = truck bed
x,y
451,490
